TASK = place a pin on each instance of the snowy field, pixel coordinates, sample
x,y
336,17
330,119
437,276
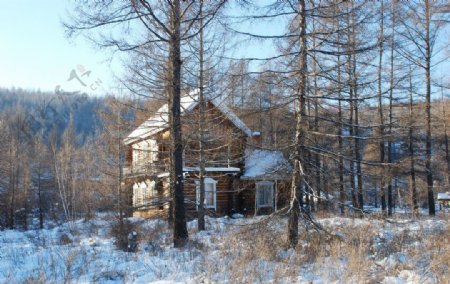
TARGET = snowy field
x,y
248,250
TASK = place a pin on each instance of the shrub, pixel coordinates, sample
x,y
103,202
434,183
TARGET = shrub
x,y
126,235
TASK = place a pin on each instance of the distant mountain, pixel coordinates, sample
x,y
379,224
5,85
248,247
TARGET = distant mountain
x,y
47,111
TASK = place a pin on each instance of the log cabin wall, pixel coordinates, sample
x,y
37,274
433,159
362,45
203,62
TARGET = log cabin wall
x,y
224,143
247,197
232,196
128,155
224,193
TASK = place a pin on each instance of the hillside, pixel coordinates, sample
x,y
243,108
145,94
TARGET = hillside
x,y
50,111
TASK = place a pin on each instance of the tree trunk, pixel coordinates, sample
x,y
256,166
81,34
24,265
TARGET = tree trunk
x,y
391,121
381,115
415,207
354,85
40,201
12,184
428,170
316,129
342,195
180,233
201,210
119,176
351,102
447,155
298,175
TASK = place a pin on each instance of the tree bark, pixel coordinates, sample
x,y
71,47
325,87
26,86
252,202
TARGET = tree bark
x,y
381,114
201,210
428,170
180,233
342,195
316,129
415,207
297,175
351,106
355,102
447,155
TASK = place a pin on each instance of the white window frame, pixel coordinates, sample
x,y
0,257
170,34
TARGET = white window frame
x,y
145,150
143,192
135,194
153,150
136,154
207,180
262,186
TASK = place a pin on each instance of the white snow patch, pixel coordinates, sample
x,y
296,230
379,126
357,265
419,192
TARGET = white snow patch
x,y
91,256
259,163
443,196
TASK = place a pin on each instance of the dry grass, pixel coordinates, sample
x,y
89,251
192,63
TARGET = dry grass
x,y
365,252
362,251
440,258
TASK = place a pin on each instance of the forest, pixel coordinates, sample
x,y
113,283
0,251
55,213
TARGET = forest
x,y
355,94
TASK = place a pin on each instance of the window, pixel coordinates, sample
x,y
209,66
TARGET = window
x,y
145,151
143,193
153,150
136,154
264,194
210,193
135,195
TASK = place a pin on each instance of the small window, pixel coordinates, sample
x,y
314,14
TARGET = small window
x,y
136,154
143,194
153,150
144,151
264,194
210,193
135,195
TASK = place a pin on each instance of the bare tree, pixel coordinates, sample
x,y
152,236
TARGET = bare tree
x,y
167,26
422,21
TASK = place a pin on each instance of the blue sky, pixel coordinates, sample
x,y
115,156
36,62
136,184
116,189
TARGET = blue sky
x,y
35,54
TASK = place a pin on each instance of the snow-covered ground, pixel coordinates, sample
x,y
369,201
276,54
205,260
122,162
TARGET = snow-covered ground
x,y
245,250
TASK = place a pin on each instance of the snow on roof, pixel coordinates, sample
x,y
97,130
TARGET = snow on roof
x,y
160,120
212,169
264,163
207,169
443,196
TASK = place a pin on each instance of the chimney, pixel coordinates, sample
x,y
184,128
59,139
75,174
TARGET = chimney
x,y
256,139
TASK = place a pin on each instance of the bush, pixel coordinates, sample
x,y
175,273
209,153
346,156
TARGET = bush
x,y
126,235
64,239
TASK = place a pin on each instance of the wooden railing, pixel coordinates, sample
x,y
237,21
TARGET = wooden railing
x,y
145,168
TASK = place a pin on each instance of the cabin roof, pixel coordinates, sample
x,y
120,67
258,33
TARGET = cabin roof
x,y
159,121
262,164
443,196
207,169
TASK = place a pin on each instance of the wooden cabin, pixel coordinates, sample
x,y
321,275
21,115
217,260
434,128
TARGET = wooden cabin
x,y
240,177
443,199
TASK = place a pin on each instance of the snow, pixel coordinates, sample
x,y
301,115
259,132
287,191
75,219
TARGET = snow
x,y
231,250
443,196
208,169
264,163
160,120
212,169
